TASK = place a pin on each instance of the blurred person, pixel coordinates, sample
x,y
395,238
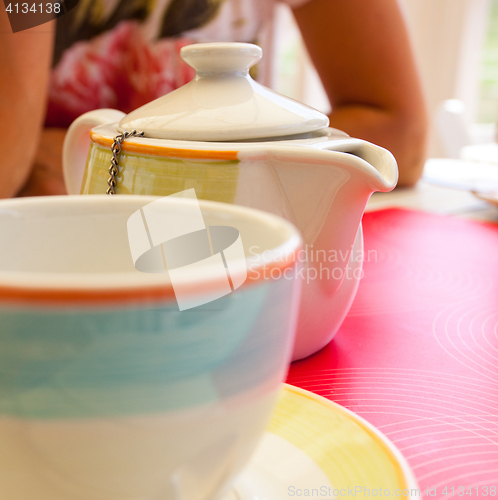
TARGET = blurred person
x,y
123,53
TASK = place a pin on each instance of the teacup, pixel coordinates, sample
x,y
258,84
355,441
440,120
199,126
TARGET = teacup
x,y
108,391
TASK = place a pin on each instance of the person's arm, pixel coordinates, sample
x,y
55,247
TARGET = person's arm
x,y
362,53
25,59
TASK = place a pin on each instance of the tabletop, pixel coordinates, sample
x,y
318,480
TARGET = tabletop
x,y
417,355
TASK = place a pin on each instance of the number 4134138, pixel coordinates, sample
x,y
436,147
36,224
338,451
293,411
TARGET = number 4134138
x,y
36,8
483,491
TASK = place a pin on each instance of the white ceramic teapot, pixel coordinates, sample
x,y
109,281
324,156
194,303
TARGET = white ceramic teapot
x,y
233,140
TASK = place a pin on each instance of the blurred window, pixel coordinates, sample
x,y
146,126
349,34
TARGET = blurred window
x,y
487,111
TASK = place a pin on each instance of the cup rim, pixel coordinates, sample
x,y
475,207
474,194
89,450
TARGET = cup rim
x,y
99,288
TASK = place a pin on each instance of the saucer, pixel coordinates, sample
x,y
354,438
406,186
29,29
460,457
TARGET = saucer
x,y
490,197
316,448
461,174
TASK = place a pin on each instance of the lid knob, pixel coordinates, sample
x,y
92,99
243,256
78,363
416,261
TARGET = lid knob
x,y
221,58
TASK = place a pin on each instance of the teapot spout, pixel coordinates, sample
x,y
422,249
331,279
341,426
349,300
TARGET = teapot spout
x,y
384,175
323,190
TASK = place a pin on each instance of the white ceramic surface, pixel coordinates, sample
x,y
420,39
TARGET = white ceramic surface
x,y
223,102
107,390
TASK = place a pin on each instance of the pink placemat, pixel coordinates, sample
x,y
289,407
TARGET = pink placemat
x,y
417,355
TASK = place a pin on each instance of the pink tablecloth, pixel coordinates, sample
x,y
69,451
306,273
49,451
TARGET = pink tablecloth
x,y
417,355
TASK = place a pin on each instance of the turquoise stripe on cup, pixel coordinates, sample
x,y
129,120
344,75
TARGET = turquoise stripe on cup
x,y
75,363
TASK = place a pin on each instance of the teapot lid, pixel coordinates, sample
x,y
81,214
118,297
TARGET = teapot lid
x,y
222,102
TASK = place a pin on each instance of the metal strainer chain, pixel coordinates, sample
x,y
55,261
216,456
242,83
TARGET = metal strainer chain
x,y
116,150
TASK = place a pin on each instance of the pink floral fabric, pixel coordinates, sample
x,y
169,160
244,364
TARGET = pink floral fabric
x,y
118,69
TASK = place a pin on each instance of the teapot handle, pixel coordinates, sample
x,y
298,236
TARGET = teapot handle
x,y
77,143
